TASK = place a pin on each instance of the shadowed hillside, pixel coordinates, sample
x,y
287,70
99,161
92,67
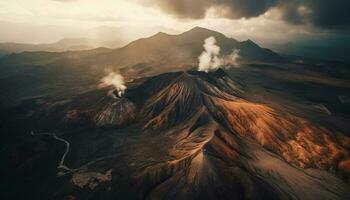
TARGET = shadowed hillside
x,y
206,139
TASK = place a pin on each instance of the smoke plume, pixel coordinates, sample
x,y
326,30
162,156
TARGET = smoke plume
x,y
116,80
210,58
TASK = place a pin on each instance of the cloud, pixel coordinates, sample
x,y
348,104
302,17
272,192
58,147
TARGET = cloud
x,y
321,13
196,9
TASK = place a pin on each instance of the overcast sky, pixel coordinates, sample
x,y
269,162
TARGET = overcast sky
x,y
264,21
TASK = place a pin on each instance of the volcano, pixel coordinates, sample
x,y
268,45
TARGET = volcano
x,y
272,128
197,135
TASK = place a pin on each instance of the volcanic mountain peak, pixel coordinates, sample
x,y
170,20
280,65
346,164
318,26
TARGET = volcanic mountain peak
x,y
207,122
202,33
250,43
200,29
161,34
183,97
192,99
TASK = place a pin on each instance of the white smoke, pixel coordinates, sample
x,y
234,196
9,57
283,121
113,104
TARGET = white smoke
x,y
116,80
210,58
231,60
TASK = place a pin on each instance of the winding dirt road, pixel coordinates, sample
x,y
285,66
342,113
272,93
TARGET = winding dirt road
x,y
61,164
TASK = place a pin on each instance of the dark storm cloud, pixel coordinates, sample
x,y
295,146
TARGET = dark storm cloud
x,y
196,9
322,13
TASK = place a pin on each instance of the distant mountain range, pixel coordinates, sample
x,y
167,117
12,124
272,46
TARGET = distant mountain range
x,y
160,49
19,37
62,45
184,48
318,51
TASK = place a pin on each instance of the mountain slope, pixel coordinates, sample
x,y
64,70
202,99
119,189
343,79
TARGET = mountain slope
x,y
205,132
191,135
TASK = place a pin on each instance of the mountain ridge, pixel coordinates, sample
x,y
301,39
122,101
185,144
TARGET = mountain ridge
x,y
66,44
165,49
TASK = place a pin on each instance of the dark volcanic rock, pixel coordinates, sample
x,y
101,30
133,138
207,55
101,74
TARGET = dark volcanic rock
x,y
117,112
195,135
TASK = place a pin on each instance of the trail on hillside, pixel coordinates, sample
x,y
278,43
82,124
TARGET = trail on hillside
x,y
62,165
